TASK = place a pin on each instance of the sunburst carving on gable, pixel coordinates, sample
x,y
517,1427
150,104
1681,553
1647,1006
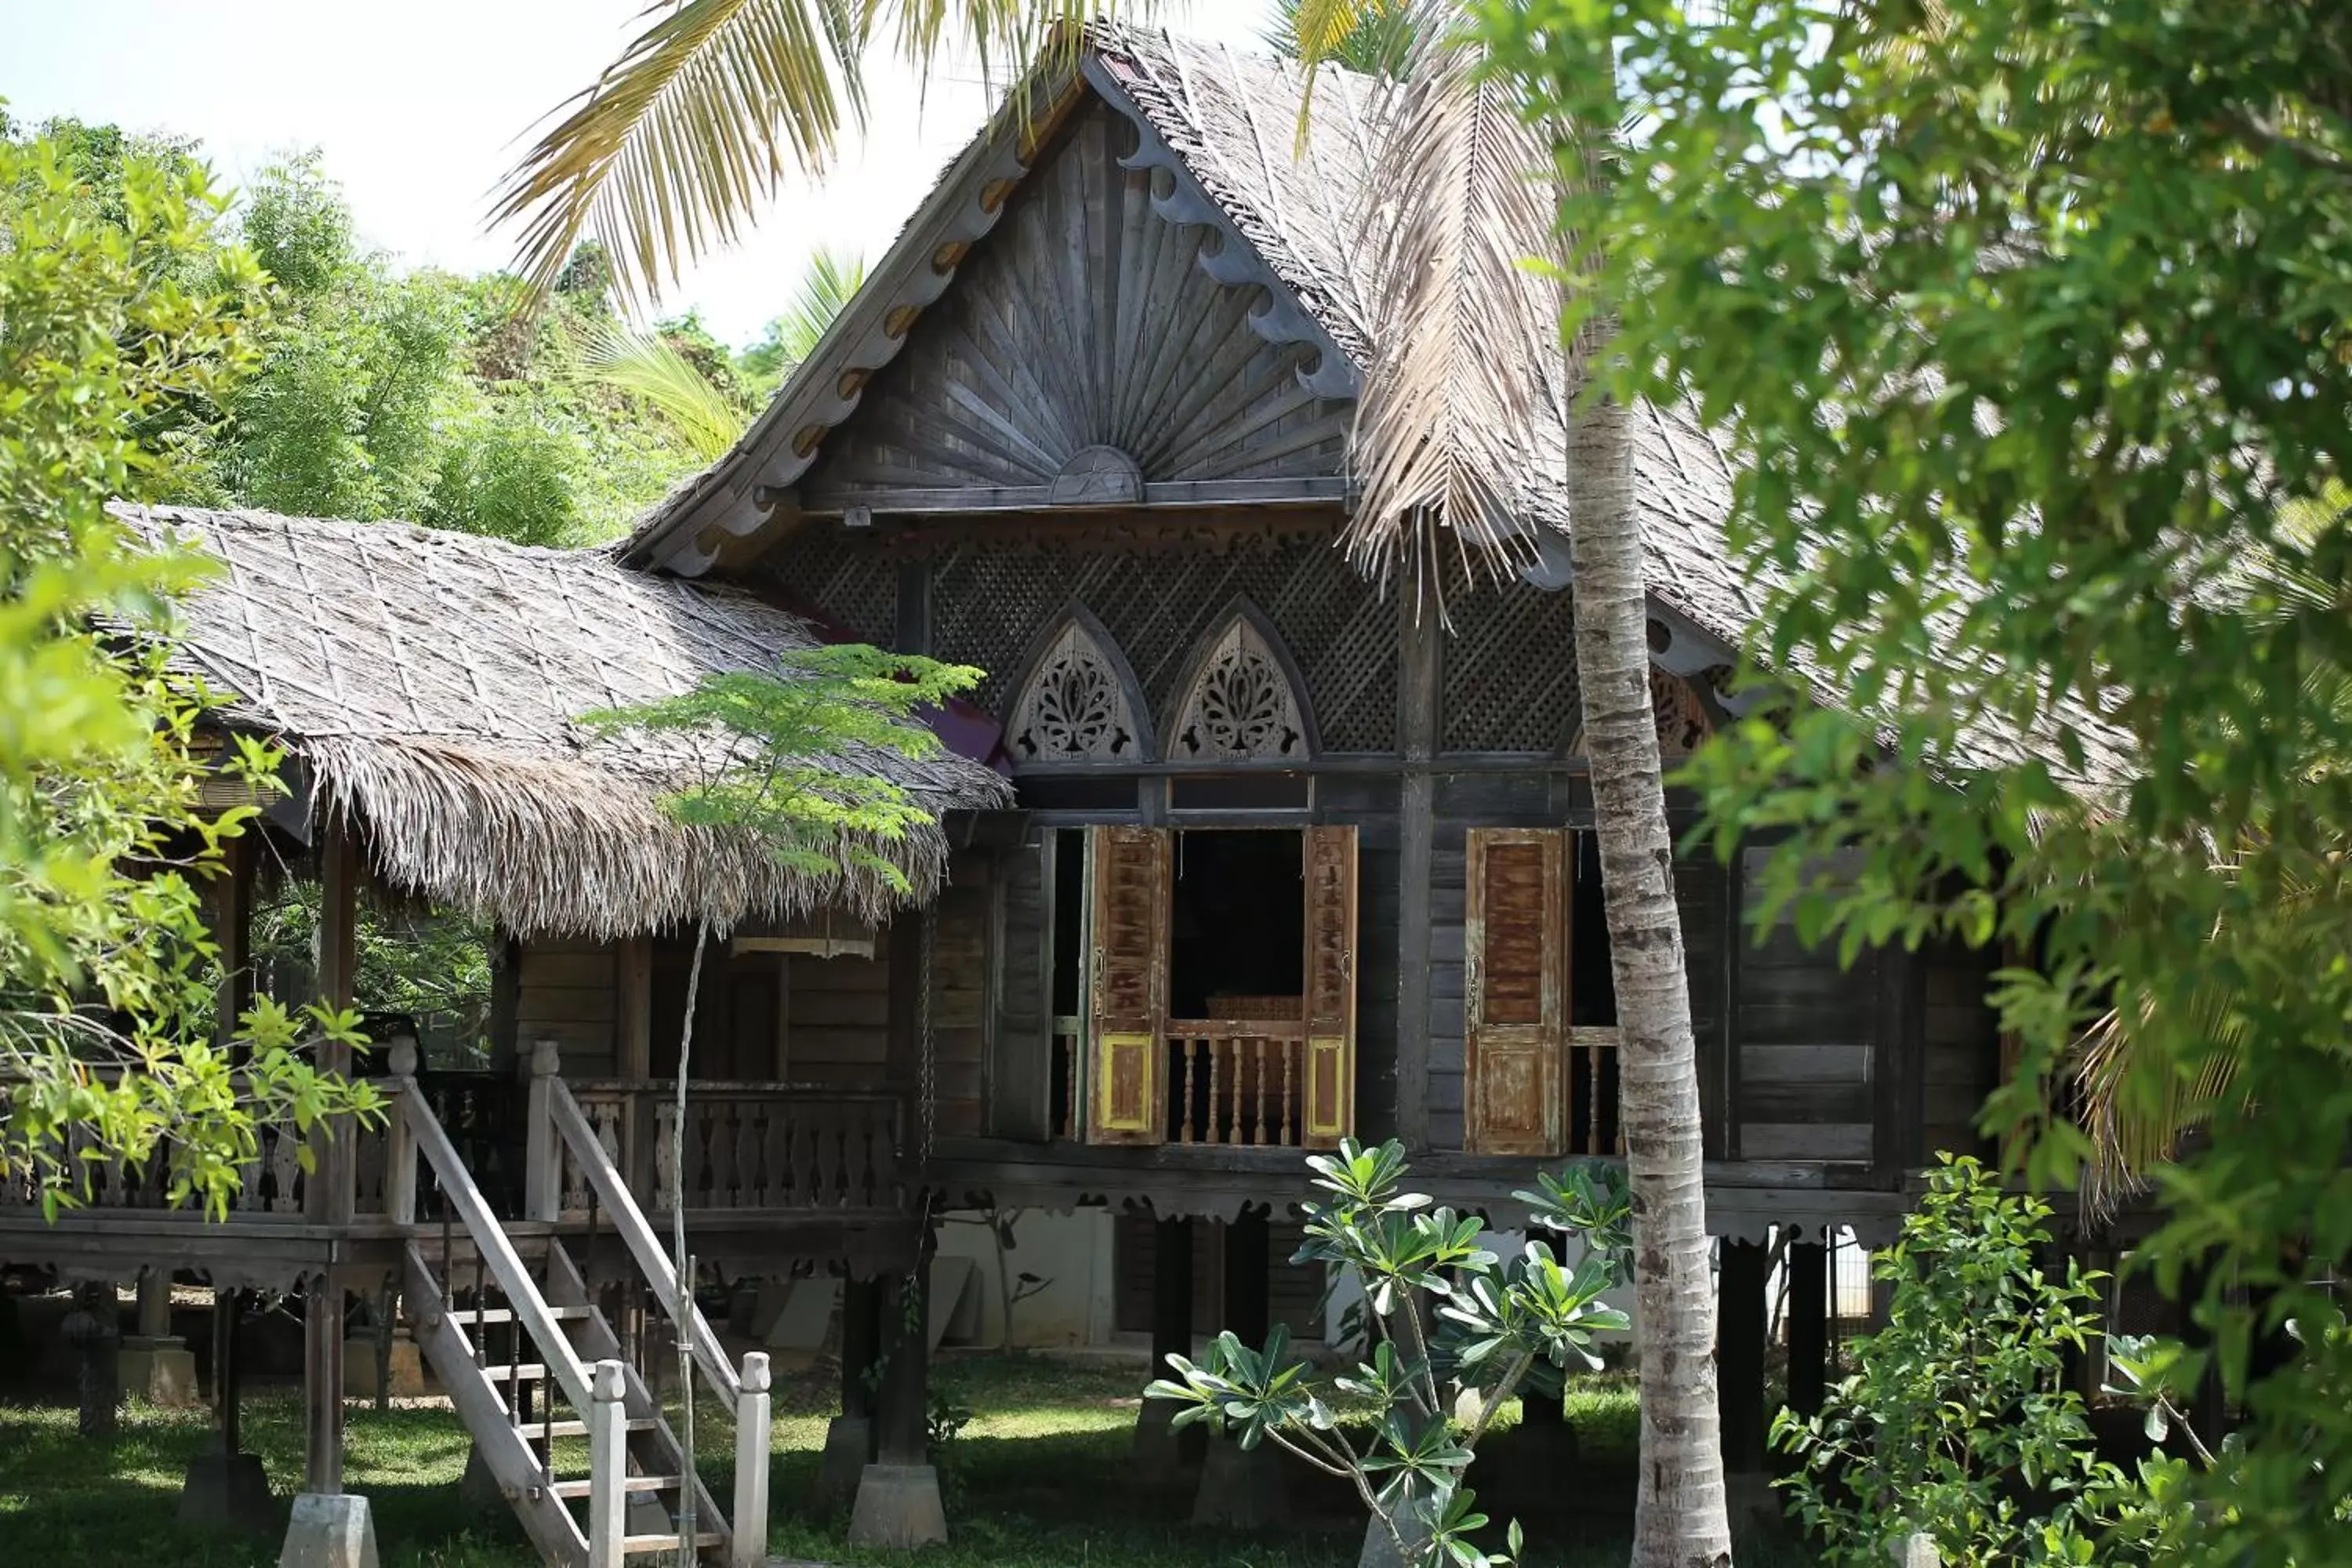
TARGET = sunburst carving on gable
x,y
1078,703
1241,704
1087,338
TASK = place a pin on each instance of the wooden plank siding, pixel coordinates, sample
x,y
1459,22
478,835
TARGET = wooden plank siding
x,y
1959,1049
1809,1038
1368,803
960,997
568,991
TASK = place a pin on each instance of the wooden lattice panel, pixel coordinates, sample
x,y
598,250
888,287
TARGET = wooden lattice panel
x,y
844,578
1510,670
990,606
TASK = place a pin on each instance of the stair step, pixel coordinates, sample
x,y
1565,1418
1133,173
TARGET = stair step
x,y
580,1428
513,1371
639,1545
470,1315
629,1484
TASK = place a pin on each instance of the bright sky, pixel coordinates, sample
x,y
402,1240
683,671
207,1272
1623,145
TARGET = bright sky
x,y
421,106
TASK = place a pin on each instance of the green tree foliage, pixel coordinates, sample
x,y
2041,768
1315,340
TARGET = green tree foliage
x,y
1959,1423
2028,319
826,288
425,397
1497,1327
106,969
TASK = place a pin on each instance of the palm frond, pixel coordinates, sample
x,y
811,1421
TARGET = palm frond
x,y
1464,392
825,291
686,135
712,106
709,421
1371,37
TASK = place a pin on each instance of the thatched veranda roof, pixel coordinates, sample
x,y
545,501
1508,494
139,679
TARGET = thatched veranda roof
x,y
432,683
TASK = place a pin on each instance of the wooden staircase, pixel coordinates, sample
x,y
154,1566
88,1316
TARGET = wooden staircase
x,y
532,1364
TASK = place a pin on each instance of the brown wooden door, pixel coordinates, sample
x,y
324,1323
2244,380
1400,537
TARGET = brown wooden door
x,y
1329,1004
1516,949
1126,1014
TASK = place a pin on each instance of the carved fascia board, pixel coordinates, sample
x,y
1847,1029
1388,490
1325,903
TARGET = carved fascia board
x,y
735,499
1041,647
1241,610
1277,318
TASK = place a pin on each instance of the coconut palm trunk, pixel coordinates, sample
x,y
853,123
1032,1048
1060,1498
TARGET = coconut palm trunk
x,y
1679,1519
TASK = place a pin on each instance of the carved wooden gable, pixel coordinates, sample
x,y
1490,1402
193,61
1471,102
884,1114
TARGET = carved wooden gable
x,y
1086,355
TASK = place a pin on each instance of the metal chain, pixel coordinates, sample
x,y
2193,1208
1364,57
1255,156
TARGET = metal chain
x,y
927,1065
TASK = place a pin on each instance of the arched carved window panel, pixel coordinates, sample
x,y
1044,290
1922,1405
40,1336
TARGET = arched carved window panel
x,y
1682,719
1080,703
1242,701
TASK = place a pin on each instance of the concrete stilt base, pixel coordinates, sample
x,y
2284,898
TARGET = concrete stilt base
x,y
1160,1446
897,1506
1242,1488
407,1368
161,1372
329,1531
227,1491
848,1448
1750,1503
479,1487
1380,1550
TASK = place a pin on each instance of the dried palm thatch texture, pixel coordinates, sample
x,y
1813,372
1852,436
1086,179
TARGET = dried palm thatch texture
x,y
432,683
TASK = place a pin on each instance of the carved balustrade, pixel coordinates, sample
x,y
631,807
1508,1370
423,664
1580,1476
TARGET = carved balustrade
x,y
1237,1081
772,1146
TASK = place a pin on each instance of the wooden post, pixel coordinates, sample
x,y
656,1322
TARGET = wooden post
x,y
751,1442
1420,652
322,1387
1739,1354
1171,1291
608,1466
233,931
1809,1326
399,1142
902,1410
1249,1300
224,1375
330,1197
543,1175
861,1343
635,1056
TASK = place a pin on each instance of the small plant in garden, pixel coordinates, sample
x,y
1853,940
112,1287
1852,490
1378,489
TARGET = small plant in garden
x,y
1386,1428
1959,1424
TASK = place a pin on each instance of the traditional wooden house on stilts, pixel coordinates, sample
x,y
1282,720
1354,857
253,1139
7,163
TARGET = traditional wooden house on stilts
x,y
1281,860
427,686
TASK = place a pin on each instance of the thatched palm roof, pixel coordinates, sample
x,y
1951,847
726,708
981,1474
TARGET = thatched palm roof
x,y
432,683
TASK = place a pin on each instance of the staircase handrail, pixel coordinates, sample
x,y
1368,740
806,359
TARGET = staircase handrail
x,y
482,1227
638,1233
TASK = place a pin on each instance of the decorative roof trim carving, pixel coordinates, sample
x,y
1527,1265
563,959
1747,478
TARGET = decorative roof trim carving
x,y
1242,614
1076,617
1098,476
1276,317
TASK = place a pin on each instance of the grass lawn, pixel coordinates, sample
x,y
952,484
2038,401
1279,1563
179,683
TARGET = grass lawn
x,y
1040,1477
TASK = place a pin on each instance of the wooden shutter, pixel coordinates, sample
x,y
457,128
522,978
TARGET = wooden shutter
x,y
1329,1006
1020,1072
1515,950
1127,1022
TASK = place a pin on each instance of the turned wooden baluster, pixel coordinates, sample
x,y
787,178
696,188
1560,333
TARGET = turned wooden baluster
x,y
1592,1054
1260,1133
750,1147
1213,1132
1290,1051
1183,1090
